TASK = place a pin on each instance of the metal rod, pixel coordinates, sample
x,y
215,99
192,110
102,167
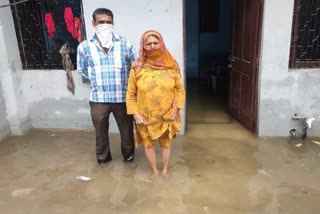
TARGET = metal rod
x,y
19,2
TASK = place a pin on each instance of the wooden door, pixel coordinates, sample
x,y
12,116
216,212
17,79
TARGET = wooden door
x,y
244,61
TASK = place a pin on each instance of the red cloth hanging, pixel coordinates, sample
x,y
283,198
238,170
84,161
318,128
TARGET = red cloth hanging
x,y
78,29
48,19
69,20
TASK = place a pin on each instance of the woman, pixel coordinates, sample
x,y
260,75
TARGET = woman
x,y
155,97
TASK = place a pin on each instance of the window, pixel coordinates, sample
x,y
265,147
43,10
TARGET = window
x,y
38,48
209,16
305,41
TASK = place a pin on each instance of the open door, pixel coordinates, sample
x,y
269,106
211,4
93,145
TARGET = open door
x,y
244,61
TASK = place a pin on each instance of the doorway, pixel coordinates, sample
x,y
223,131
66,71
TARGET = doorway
x,y
222,52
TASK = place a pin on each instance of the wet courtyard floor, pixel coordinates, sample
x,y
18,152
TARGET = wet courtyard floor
x,y
215,168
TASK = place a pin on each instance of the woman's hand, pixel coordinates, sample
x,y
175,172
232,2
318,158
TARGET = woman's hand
x,y
140,119
176,115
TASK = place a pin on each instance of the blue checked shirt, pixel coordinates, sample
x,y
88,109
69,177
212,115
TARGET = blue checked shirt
x,y
107,72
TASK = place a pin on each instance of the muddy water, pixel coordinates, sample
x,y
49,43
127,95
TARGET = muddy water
x,y
224,170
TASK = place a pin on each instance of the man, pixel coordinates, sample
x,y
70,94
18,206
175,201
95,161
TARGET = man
x,y
105,60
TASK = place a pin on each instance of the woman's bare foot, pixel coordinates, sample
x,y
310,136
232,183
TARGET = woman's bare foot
x,y
165,174
154,174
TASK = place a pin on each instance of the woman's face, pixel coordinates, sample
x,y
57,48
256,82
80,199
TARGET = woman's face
x,y
152,43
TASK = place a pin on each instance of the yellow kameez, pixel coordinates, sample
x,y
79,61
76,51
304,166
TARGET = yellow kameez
x,y
151,93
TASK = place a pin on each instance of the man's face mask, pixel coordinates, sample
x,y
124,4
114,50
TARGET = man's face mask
x,y
104,34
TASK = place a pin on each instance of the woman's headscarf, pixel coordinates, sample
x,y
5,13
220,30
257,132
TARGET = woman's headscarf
x,y
160,59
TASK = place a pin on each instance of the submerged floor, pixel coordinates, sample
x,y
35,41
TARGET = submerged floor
x,y
217,167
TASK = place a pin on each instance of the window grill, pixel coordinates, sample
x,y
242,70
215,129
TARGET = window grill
x,y
37,49
305,43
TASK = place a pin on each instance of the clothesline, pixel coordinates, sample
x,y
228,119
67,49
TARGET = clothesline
x,y
8,5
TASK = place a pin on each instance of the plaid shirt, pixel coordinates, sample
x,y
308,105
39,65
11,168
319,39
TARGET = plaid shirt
x,y
109,72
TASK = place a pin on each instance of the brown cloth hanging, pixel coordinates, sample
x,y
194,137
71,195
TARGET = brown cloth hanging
x,y
67,65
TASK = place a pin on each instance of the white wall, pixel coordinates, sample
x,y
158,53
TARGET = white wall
x,y
132,18
4,123
284,92
10,75
40,97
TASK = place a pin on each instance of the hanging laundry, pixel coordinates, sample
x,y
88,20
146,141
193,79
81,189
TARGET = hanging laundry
x,y
78,29
51,29
67,65
69,20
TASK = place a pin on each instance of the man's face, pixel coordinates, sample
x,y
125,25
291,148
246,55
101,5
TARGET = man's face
x,y
102,19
